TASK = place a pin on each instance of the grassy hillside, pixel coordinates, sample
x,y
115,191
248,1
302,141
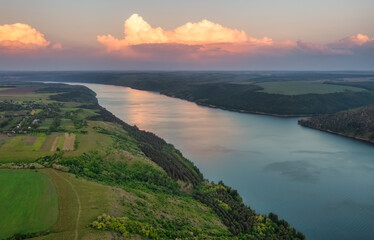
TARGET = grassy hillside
x,y
114,180
356,123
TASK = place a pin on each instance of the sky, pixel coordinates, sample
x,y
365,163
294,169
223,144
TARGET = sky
x,y
187,35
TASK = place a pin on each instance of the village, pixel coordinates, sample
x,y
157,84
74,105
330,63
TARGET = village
x,y
27,117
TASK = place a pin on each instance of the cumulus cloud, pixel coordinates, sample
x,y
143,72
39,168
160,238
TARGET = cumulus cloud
x,y
345,46
208,39
138,31
22,37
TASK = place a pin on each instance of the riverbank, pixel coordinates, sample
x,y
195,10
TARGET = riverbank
x,y
354,123
365,140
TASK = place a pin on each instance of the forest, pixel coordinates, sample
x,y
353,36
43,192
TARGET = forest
x,y
356,123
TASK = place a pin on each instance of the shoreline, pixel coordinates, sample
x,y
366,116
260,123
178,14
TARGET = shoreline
x,y
227,109
368,141
198,103
251,112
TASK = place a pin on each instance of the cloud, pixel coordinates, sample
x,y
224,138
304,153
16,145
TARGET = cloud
x,y
321,48
345,46
138,31
21,37
57,46
204,38
355,40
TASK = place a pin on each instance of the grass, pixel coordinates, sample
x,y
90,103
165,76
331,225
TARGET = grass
x,y
16,148
19,143
53,141
35,97
67,124
304,87
160,209
45,124
19,149
94,198
90,141
28,202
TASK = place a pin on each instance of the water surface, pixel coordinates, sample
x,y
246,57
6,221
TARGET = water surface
x,y
322,184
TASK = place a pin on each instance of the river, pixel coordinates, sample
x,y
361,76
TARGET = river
x,y
322,184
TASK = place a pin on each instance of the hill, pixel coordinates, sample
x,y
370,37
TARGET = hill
x,y
355,123
112,180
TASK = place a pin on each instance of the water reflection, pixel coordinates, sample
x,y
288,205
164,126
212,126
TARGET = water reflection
x,y
182,120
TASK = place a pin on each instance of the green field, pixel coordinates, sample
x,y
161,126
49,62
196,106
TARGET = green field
x,y
35,97
23,148
67,124
45,124
28,202
27,148
303,87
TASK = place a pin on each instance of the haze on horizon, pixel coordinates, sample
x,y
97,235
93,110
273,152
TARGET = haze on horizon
x,y
187,35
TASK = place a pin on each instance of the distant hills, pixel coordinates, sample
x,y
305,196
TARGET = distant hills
x,y
271,93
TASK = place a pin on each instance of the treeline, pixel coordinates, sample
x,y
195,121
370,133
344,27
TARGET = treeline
x,y
239,218
10,106
357,123
228,205
128,228
246,98
79,122
160,152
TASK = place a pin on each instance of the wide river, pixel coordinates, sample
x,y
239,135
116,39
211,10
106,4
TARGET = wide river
x,y
322,184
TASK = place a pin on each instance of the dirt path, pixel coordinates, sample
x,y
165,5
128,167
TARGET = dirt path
x,y
78,200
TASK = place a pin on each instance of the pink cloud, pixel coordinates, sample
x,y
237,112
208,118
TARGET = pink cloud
x,y
19,37
355,40
208,38
345,46
321,48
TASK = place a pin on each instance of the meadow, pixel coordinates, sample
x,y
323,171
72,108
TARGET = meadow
x,y
28,202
